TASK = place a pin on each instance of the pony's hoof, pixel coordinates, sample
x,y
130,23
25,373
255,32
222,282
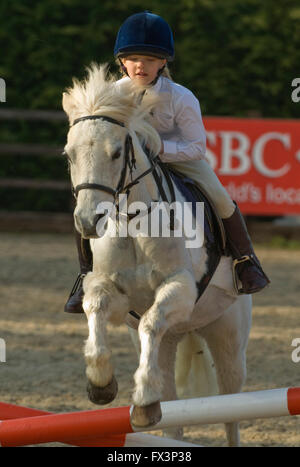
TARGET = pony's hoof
x,y
104,395
146,416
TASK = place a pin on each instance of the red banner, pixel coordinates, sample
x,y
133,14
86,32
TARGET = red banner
x,y
258,162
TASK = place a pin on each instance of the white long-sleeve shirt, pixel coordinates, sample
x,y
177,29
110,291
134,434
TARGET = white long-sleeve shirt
x,y
178,120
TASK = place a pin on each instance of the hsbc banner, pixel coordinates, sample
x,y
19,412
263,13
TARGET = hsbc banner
x,y
258,162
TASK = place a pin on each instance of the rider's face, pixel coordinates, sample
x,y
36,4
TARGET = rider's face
x,y
143,69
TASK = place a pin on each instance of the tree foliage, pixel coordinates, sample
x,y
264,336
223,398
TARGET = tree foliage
x,y
239,57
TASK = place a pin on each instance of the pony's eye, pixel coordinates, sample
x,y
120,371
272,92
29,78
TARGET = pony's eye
x,y
116,155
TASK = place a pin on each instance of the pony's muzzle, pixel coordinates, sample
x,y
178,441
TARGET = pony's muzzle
x,y
87,226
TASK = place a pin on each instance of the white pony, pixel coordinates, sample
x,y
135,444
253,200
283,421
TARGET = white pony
x,y
155,277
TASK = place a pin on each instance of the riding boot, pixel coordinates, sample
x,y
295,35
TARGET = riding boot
x,y
74,303
246,266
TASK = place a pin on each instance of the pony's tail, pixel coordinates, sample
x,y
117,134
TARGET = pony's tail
x,y
195,373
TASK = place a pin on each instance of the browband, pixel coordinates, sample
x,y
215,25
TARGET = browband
x,y
95,117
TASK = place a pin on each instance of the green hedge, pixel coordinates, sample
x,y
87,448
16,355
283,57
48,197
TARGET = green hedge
x,y
238,56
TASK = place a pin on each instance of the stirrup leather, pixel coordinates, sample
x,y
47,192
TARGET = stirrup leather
x,y
77,285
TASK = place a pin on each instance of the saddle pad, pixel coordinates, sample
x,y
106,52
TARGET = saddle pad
x,y
212,234
192,194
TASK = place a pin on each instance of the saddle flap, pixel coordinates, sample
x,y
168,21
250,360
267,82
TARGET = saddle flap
x,y
214,233
213,226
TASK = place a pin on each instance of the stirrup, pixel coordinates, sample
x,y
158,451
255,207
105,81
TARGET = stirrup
x,y
254,261
77,285
236,279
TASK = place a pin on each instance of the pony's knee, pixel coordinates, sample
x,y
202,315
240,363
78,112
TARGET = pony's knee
x,y
178,292
102,295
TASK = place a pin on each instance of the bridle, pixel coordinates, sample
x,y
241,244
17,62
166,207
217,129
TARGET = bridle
x,y
129,163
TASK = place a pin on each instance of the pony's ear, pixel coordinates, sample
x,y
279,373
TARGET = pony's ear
x,y
68,105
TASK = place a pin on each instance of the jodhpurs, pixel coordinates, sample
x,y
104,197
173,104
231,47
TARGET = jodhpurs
x,y
202,173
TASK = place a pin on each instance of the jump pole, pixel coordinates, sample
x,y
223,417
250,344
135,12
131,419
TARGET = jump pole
x,y
12,411
114,421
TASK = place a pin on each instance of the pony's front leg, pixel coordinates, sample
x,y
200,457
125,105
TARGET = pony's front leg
x,y
102,386
174,303
101,302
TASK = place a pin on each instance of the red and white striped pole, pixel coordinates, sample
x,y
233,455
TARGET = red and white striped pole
x,y
12,411
116,421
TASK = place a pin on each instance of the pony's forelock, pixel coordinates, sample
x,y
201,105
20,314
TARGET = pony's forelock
x,y
98,94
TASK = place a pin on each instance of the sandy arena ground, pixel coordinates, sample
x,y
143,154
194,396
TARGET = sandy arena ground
x,y
44,365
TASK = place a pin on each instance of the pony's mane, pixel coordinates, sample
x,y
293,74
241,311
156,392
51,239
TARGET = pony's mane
x,y
98,94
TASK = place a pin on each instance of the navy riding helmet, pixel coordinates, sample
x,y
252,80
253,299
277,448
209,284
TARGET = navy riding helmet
x,y
145,33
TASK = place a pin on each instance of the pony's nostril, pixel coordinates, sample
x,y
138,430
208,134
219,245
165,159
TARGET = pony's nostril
x,y
101,224
98,217
77,222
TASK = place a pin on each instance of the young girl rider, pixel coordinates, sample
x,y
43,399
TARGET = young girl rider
x,y
143,46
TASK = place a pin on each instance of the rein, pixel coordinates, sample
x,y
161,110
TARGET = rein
x,y
129,162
